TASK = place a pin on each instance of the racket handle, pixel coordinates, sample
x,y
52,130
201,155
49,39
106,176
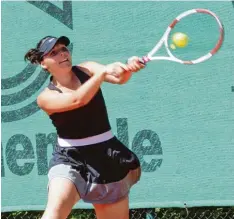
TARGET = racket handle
x,y
144,60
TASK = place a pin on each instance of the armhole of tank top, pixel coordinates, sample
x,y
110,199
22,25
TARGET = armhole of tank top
x,y
52,87
85,73
84,76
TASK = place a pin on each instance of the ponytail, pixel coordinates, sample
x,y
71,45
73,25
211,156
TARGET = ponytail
x,y
33,56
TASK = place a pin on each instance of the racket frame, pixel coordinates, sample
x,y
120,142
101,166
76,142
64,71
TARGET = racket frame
x,y
164,40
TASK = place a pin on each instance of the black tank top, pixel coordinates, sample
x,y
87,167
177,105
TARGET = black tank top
x,y
86,121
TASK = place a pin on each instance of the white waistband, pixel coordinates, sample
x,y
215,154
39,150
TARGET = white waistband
x,y
85,141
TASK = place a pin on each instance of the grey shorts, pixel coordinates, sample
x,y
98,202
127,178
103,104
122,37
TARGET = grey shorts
x,y
102,173
93,192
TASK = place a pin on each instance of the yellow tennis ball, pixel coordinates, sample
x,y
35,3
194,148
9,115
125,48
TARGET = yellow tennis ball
x,y
180,39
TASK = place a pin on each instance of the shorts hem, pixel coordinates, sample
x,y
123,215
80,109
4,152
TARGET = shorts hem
x,y
107,201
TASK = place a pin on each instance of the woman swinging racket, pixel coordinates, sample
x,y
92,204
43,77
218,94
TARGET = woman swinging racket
x,y
88,162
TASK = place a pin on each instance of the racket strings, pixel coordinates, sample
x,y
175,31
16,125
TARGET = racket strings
x,y
203,34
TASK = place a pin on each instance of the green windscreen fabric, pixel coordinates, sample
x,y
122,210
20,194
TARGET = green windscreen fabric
x,y
178,119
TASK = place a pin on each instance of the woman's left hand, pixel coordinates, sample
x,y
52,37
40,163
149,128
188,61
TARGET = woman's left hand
x,y
134,64
123,72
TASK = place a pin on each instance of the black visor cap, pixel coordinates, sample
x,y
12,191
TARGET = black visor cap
x,y
48,44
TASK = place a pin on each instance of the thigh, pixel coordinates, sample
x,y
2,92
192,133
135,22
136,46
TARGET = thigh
x,y
118,210
62,196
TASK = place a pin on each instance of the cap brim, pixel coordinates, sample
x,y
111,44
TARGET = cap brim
x,y
61,40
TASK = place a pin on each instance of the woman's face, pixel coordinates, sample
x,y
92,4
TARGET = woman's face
x,y
57,59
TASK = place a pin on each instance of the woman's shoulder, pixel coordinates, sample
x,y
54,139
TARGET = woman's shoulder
x,y
90,67
84,67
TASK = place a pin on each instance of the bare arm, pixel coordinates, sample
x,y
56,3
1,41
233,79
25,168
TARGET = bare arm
x,y
52,102
92,68
117,72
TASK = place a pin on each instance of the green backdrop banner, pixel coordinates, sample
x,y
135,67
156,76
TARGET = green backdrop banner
x,y
177,118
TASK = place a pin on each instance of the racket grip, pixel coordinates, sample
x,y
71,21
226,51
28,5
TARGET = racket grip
x,y
144,60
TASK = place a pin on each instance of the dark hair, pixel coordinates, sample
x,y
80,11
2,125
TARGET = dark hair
x,y
34,55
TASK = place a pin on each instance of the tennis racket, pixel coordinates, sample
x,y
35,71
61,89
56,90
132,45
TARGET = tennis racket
x,y
205,30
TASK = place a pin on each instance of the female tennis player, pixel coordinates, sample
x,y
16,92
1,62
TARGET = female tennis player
x,y
88,162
